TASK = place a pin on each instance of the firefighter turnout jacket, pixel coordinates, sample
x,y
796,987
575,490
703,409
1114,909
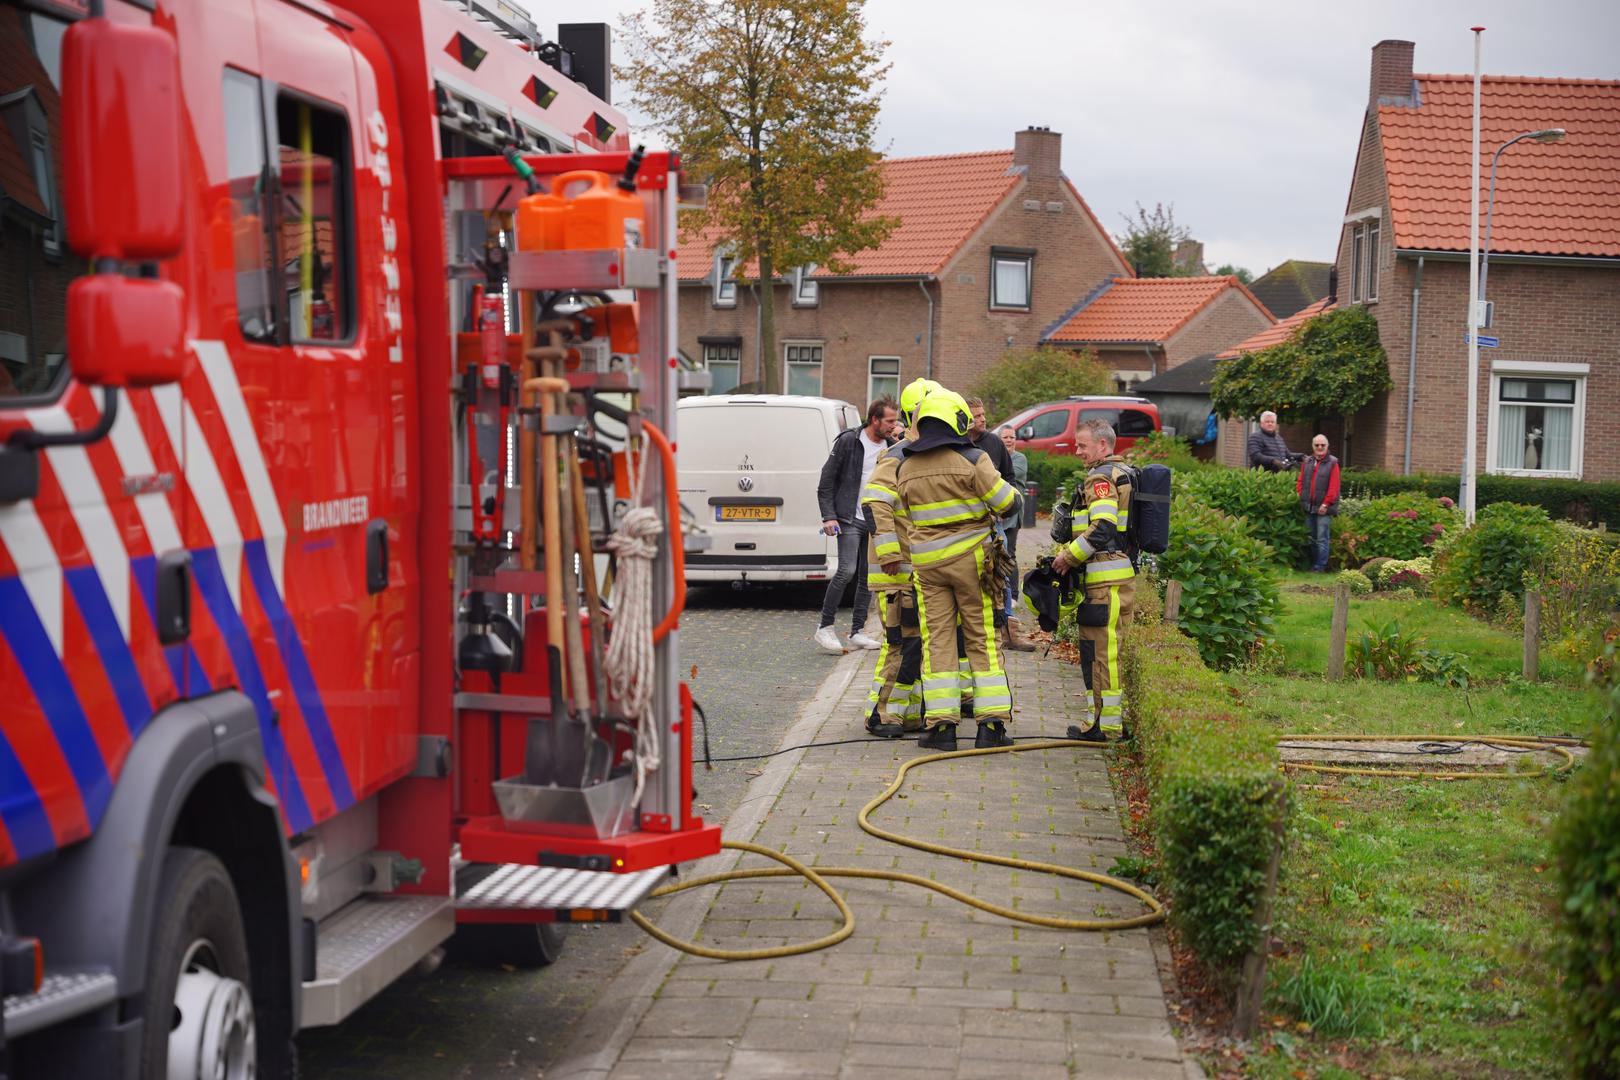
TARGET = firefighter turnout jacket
x,y
952,493
1099,545
890,534
894,696
1100,523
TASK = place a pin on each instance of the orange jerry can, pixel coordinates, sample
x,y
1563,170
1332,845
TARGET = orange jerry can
x,y
540,220
604,216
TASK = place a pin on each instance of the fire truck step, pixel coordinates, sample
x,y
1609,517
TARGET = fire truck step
x,y
490,887
61,996
365,945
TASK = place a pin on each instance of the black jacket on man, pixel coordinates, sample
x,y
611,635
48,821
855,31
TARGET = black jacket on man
x,y
991,443
839,491
1268,451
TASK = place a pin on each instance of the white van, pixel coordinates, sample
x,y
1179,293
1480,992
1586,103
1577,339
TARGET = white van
x,y
748,467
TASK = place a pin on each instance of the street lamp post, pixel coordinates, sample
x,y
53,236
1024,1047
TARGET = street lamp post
x,y
1545,135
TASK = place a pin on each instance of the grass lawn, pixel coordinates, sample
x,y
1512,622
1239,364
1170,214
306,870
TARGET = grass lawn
x,y
1414,916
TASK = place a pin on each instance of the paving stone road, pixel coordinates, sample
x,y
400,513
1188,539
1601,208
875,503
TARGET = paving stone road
x,y
755,667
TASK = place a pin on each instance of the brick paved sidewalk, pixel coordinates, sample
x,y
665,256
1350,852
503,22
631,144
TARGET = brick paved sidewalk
x,y
925,986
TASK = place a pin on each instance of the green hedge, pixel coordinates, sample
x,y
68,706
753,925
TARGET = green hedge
x,y
1216,790
1571,500
1229,590
1588,844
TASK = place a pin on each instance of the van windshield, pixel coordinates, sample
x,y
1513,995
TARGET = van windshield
x,y
765,437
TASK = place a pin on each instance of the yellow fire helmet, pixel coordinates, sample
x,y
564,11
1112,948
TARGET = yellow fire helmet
x,y
912,396
948,407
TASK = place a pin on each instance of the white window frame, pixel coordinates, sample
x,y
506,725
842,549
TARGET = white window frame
x,y
1010,255
725,285
709,362
39,163
806,289
872,376
820,364
1374,233
1358,258
1538,369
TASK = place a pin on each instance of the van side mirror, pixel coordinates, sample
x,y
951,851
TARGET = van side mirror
x,y
1026,432
123,189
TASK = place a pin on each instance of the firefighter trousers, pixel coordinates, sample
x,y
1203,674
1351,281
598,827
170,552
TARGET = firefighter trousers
x,y
946,594
895,695
1101,620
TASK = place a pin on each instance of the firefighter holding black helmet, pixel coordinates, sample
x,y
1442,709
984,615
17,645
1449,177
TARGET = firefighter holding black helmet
x,y
952,493
1110,577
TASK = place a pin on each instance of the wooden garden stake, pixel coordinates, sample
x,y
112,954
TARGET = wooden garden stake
x,y
1532,634
1172,602
1251,990
1341,630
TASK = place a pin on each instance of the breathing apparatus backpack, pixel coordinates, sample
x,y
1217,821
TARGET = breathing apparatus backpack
x,y
1149,526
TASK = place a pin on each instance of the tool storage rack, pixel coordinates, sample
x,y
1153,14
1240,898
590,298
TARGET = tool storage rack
x,y
552,873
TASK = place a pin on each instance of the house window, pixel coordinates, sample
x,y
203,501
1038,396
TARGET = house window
x,y
725,286
803,360
724,363
806,290
313,229
883,378
1357,248
1010,279
1372,261
47,190
242,238
1537,424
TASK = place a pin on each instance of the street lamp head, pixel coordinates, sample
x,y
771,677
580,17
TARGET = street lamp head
x,y
1549,135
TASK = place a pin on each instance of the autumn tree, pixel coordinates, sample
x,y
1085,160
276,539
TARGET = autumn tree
x,y
1149,240
1025,377
773,104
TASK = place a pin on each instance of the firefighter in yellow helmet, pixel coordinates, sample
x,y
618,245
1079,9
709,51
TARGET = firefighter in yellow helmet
x,y
894,702
951,494
1110,576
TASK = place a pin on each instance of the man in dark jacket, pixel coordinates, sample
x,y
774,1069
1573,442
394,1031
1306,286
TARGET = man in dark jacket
x,y
854,453
1266,447
1318,488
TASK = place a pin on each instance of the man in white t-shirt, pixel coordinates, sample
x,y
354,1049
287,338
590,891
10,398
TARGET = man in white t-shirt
x,y
848,466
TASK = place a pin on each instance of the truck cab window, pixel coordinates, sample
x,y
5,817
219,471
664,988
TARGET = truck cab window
x,y
314,232
241,236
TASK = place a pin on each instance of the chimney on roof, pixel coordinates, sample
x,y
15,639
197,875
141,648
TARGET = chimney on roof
x,y
1189,258
1039,150
1391,73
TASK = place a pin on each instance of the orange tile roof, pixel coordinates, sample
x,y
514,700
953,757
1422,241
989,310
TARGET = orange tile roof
x,y
940,202
1141,309
1277,332
1556,199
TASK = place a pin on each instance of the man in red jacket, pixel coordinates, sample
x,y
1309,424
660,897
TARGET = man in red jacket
x,y
1318,488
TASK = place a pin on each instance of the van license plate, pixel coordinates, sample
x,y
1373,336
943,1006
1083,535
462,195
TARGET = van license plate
x,y
745,513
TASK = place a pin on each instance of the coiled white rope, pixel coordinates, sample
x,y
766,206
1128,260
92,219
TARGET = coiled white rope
x,y
629,663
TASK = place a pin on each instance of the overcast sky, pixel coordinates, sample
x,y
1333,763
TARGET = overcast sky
x,y
1245,116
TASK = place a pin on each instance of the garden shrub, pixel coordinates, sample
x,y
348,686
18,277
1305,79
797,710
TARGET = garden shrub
x,y
1571,500
1587,840
1396,527
1579,583
1359,583
1266,501
1216,792
1229,595
1411,574
1385,651
1490,559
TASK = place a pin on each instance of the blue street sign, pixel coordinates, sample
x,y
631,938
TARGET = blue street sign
x,y
1485,341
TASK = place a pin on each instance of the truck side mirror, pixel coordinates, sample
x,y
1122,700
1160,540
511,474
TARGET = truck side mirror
x,y
123,194
123,189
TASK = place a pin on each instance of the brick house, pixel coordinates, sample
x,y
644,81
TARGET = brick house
x,y
990,249
35,265
1144,327
1549,396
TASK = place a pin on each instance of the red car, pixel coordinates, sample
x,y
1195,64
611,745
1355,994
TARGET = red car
x,y
1050,426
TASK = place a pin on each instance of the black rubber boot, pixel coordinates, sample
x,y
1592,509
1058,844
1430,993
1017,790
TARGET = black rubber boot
x,y
875,726
938,737
967,709
1094,733
991,733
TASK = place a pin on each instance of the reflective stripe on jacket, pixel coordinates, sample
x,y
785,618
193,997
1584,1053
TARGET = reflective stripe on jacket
x,y
1099,539
952,494
890,539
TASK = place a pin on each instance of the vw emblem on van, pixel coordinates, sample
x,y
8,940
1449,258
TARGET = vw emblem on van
x,y
745,483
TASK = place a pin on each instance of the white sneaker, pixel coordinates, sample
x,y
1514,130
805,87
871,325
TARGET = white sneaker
x,y
865,641
827,638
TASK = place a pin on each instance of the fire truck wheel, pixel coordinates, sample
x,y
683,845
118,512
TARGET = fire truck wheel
x,y
199,1012
524,945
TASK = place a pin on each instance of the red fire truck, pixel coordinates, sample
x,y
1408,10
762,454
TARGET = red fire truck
x,y
340,557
